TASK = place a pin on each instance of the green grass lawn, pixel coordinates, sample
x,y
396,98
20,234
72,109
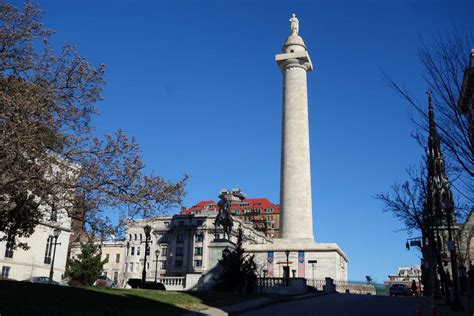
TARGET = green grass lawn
x,y
21,298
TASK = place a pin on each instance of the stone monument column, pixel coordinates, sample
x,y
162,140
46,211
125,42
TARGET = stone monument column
x,y
295,186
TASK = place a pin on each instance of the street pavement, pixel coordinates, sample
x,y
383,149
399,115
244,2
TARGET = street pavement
x,y
346,304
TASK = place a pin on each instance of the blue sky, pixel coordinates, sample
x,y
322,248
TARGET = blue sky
x,y
196,83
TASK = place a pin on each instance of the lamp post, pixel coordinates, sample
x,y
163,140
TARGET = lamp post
x,y
56,233
147,230
287,253
313,267
157,254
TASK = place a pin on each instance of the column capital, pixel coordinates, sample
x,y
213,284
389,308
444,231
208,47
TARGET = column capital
x,y
297,59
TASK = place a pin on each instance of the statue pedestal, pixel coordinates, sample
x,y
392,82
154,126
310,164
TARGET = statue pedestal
x,y
216,247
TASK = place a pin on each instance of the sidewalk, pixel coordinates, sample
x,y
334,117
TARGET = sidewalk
x,y
445,310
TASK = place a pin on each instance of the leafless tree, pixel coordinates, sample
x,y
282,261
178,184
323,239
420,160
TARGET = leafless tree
x,y
50,156
407,201
444,61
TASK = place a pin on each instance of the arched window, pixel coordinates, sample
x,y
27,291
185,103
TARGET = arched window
x,y
135,236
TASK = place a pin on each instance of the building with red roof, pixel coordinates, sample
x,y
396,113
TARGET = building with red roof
x,y
263,214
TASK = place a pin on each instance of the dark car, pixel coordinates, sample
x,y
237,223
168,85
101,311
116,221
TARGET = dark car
x,y
41,280
399,289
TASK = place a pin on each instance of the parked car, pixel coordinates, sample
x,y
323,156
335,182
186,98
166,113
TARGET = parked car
x,y
103,281
399,289
41,280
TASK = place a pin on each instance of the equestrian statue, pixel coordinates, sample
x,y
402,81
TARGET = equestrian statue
x,y
224,218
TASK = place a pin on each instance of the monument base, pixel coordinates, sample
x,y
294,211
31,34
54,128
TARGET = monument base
x,y
208,279
306,259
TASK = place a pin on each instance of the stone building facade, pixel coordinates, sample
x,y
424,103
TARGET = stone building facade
x,y
263,214
183,242
466,241
405,275
22,264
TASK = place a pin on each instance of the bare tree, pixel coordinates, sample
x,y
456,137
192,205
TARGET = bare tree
x,y
444,61
407,201
50,157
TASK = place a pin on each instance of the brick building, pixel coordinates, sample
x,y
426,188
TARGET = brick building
x,y
263,214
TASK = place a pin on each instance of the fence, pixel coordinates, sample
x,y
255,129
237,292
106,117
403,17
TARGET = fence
x,y
173,283
345,286
281,285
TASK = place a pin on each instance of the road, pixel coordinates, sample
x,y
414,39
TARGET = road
x,y
345,304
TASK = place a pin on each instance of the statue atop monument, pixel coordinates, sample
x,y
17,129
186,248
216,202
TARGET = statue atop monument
x,y
224,218
294,24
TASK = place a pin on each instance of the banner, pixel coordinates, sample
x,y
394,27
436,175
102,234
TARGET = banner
x,y
301,265
270,264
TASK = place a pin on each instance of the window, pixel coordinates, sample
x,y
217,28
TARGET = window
x,y
179,251
164,251
106,258
178,263
129,236
135,236
131,266
147,250
105,273
148,265
166,223
49,248
116,277
117,258
198,251
163,264
199,237
5,271
9,250
133,251
198,263
138,251
180,238
137,265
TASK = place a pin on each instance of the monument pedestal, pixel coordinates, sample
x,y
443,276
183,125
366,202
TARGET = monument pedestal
x,y
216,247
330,260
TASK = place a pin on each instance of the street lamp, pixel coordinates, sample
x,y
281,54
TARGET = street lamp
x,y
313,267
287,253
56,233
157,254
147,230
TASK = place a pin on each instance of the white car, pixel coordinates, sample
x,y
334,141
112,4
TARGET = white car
x,y
103,281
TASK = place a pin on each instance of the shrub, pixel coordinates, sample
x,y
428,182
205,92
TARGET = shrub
x,y
134,283
154,286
